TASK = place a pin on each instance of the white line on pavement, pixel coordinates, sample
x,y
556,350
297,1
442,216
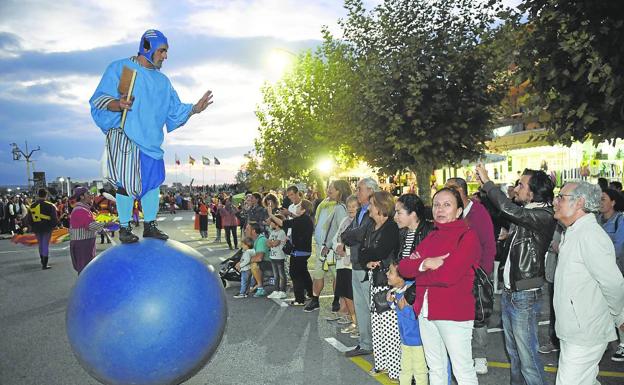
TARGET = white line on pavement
x,y
160,219
11,251
177,219
279,302
222,259
338,345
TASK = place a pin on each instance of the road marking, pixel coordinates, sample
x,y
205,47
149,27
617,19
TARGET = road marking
x,y
222,259
160,219
14,251
553,369
279,302
205,247
367,366
321,296
177,219
338,345
496,330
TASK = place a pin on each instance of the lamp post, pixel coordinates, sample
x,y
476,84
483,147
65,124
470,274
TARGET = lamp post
x,y
61,179
17,155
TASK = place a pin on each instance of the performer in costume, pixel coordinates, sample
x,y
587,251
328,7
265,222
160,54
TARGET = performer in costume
x,y
154,104
43,220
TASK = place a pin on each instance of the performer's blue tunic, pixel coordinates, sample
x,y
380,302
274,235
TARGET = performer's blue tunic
x,y
156,104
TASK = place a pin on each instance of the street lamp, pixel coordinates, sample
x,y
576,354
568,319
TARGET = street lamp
x,y
61,179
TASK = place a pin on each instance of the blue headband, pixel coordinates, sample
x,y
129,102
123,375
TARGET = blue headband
x,y
154,39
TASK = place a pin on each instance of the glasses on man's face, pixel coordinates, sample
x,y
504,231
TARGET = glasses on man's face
x,y
560,196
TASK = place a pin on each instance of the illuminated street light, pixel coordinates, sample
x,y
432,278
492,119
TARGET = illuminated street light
x,y
325,166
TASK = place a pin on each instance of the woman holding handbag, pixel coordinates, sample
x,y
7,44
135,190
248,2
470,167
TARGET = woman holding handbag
x,y
378,250
442,265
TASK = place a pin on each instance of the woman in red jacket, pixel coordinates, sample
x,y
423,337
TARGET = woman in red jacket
x,y
442,265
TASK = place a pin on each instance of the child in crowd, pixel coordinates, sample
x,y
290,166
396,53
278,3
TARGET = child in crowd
x,y
277,239
413,362
244,266
344,289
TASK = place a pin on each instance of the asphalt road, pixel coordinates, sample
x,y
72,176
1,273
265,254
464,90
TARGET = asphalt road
x,y
266,342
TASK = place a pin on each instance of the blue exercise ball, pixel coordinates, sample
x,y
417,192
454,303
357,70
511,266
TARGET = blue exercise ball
x,y
150,312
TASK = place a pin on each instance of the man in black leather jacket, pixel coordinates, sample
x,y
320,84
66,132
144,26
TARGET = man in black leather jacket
x,y
532,228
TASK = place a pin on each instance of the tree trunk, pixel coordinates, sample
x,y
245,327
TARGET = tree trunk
x,y
423,172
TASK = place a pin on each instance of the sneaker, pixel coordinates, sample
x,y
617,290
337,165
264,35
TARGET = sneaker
x,y
150,230
240,295
618,356
355,335
296,303
548,348
312,305
349,329
332,317
481,366
344,320
273,295
126,236
260,293
282,295
357,352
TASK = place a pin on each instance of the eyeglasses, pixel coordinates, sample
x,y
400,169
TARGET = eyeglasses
x,y
560,196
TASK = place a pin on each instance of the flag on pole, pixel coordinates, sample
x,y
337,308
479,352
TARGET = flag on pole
x,y
177,160
191,160
216,161
206,161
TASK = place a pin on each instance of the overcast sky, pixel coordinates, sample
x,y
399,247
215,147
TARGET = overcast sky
x,y
52,55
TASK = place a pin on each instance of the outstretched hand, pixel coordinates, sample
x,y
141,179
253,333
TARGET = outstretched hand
x,y
203,103
482,175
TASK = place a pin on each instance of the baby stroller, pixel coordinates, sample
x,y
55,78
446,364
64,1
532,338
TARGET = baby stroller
x,y
228,272
227,268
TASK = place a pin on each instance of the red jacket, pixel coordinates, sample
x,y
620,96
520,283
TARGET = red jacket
x,y
450,286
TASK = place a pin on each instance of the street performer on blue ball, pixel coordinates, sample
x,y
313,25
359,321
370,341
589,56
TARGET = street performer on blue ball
x,y
153,104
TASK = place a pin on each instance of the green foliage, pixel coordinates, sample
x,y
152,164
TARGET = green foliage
x,y
421,83
303,116
572,56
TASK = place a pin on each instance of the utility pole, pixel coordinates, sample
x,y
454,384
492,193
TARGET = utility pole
x,y
18,153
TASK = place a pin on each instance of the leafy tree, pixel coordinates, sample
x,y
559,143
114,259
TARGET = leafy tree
x,y
572,57
254,176
301,116
421,82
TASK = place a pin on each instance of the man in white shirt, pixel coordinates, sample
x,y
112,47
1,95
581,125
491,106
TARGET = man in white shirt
x,y
589,287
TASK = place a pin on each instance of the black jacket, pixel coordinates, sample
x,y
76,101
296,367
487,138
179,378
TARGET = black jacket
x,y
423,229
353,237
529,237
380,244
42,216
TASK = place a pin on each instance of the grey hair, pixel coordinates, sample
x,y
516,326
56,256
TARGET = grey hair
x,y
591,193
370,183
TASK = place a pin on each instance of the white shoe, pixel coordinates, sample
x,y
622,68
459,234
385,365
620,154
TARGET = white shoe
x,y
481,366
282,295
273,295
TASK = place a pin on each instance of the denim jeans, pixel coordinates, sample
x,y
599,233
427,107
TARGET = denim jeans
x,y
244,281
279,274
520,310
